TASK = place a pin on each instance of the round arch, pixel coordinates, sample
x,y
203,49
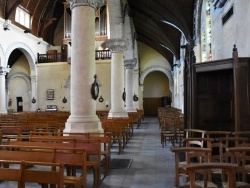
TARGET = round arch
x,y
19,74
29,54
148,70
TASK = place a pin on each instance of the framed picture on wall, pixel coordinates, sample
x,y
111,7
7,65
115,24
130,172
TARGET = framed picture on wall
x,y
50,94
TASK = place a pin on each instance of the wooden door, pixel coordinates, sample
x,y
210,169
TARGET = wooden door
x,y
150,106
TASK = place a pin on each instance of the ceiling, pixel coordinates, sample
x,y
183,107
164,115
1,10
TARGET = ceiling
x,y
158,23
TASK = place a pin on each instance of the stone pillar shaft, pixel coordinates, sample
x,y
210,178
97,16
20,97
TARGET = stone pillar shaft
x,y
117,47
83,116
129,65
3,106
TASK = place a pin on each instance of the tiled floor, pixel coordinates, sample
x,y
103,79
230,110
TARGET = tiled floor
x,y
152,166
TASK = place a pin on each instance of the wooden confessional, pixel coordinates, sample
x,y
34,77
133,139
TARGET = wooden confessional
x,y
217,95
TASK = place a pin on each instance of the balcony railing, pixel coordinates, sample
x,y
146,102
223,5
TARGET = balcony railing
x,y
62,57
48,58
102,54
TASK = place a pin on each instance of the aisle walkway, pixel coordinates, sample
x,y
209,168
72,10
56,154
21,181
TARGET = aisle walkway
x,y
152,166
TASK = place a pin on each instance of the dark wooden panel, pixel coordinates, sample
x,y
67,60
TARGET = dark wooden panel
x,y
214,100
150,106
244,98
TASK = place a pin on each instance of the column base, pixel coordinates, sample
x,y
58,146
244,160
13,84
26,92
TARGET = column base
x,y
83,125
3,111
117,114
130,109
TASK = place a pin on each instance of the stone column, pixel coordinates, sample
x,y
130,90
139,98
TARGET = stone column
x,y
129,65
117,47
33,94
3,106
83,116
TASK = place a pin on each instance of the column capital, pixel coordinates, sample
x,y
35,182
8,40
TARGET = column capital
x,y
4,70
130,63
116,45
91,3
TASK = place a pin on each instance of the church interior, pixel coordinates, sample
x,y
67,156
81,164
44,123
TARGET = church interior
x,y
87,86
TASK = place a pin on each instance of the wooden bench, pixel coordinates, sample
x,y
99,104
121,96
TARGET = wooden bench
x,y
70,157
105,141
9,131
92,147
52,175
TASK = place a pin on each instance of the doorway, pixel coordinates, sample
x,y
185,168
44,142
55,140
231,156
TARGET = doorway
x,y
19,101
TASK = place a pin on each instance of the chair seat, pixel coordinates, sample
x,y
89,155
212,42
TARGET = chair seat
x,y
238,185
73,180
200,184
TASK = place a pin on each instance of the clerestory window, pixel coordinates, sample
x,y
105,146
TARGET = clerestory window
x,y
22,16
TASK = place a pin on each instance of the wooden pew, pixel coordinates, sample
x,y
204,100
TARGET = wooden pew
x,y
53,174
105,141
70,157
92,147
9,131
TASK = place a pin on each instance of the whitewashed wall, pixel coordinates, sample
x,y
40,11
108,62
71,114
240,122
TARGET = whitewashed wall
x,y
234,31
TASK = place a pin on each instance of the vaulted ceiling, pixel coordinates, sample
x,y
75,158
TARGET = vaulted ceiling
x,y
158,23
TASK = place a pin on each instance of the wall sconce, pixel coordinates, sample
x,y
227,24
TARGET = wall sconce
x,y
101,99
6,25
95,89
135,98
26,31
64,100
33,100
124,95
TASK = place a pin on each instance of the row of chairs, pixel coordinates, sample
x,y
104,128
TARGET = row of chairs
x,y
218,151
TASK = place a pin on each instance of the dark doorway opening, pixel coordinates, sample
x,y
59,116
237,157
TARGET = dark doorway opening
x,y
19,104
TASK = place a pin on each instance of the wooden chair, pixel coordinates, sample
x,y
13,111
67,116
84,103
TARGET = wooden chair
x,y
168,131
242,134
192,154
206,168
179,130
195,133
241,156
